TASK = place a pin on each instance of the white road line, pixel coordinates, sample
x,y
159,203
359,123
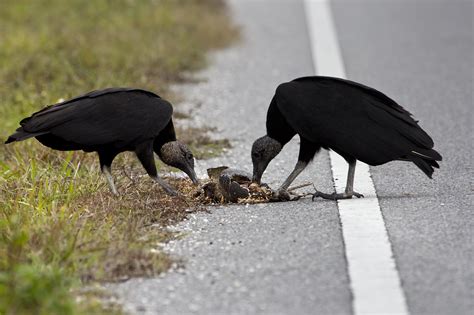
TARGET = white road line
x,y
375,282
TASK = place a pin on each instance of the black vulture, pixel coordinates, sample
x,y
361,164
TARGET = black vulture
x,y
109,122
354,120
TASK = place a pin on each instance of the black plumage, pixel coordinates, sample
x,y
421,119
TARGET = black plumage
x,y
356,121
112,121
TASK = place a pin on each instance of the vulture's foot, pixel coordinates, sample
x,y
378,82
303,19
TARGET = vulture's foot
x,y
165,186
170,191
280,195
335,196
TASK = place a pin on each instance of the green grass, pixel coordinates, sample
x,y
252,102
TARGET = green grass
x,y
60,229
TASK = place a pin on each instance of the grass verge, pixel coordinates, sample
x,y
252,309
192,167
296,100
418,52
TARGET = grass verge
x,y
59,226
201,144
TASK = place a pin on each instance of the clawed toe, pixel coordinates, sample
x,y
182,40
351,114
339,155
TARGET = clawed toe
x,y
335,196
358,195
332,196
315,195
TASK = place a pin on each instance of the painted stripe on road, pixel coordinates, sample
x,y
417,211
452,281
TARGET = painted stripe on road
x,y
374,278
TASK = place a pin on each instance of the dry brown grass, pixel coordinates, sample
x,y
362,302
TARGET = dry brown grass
x,y
140,214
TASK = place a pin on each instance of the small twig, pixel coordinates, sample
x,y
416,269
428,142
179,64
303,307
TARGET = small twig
x,y
299,186
129,176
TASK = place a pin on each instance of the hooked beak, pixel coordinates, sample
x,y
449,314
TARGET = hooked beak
x,y
192,175
257,174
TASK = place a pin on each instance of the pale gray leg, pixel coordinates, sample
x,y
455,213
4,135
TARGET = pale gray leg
x,y
349,191
299,167
144,153
167,188
281,193
110,179
350,181
350,178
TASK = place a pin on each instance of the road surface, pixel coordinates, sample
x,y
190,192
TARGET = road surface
x,y
290,258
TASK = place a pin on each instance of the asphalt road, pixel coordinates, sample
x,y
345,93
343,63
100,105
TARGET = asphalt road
x,y
288,258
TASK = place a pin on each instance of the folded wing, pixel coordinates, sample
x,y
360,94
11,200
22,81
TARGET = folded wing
x,y
353,120
118,117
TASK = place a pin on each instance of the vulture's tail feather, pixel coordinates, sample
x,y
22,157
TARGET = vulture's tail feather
x,y
21,134
425,159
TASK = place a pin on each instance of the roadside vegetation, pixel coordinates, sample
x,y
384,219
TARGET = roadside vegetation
x,y
61,230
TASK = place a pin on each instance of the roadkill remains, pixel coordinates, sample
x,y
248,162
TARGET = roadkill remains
x,y
229,185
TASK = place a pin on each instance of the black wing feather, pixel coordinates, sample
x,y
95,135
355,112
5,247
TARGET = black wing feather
x,y
350,118
116,116
92,94
367,89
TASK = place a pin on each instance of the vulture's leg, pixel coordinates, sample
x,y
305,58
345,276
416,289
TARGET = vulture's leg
x,y
350,181
306,154
110,179
105,159
144,153
349,192
281,192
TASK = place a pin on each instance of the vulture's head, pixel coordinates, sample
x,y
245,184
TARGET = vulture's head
x,y
264,149
178,155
